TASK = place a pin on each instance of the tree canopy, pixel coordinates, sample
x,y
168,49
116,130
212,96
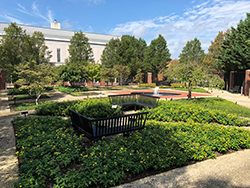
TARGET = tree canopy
x,y
157,56
189,68
235,51
211,59
80,56
80,51
128,51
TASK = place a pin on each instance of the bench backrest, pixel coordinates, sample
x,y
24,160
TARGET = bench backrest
x,y
134,98
99,127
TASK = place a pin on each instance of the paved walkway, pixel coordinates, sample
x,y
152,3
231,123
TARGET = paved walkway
x,y
232,170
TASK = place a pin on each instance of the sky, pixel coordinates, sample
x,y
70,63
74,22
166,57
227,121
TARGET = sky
x,y
178,21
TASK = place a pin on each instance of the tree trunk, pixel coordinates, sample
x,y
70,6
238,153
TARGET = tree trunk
x,y
37,98
189,91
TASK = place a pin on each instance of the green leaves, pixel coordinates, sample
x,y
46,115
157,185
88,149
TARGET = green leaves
x,y
235,51
169,111
157,56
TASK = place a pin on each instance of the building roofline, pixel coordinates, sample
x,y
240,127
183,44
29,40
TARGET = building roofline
x,y
60,29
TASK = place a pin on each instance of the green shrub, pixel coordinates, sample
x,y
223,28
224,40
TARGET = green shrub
x,y
216,103
169,111
52,108
19,91
177,85
92,108
50,152
96,108
70,89
147,85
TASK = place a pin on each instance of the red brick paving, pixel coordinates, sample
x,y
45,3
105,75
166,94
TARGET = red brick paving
x,y
183,94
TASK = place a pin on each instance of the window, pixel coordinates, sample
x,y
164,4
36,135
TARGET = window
x,y
58,55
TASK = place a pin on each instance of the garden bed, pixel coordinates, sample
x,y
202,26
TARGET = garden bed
x,y
52,155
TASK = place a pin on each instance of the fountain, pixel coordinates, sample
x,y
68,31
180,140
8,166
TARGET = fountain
x,y
156,91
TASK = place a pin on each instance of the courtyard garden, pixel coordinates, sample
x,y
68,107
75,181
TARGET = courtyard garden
x,y
177,133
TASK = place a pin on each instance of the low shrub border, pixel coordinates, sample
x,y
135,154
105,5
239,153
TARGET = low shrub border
x,y
51,154
169,111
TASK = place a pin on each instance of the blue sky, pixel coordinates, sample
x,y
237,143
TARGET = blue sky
x,y
178,21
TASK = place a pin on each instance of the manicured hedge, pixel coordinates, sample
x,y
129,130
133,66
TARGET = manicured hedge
x,y
51,155
70,89
169,111
92,108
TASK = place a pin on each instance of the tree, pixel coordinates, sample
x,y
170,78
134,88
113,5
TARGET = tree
x,y
34,77
108,74
93,71
190,67
211,59
81,55
12,43
128,51
139,76
235,51
123,72
157,56
110,56
131,52
79,49
73,72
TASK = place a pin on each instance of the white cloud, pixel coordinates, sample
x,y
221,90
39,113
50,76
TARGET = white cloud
x,y
202,21
23,10
49,17
11,19
140,31
66,24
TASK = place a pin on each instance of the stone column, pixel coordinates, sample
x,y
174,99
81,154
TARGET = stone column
x,y
102,83
149,81
247,82
89,83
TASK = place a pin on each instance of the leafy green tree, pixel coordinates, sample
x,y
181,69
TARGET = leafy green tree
x,y
235,51
131,52
157,56
190,67
13,44
139,76
73,72
81,55
123,72
127,51
79,49
211,59
108,74
110,56
93,71
34,77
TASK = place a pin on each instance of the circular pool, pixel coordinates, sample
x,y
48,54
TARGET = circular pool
x,y
152,94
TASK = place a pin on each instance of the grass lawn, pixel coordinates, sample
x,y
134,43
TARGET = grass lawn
x,y
214,103
83,93
26,96
23,106
200,90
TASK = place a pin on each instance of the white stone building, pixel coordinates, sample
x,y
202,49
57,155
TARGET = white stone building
x,y
58,40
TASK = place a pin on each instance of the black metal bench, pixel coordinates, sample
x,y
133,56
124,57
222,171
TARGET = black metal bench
x,y
94,129
134,99
235,89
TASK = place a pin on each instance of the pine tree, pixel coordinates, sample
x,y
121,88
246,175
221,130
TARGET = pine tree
x,y
79,49
235,51
157,56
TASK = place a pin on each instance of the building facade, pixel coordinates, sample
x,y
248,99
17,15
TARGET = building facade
x,y
58,40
